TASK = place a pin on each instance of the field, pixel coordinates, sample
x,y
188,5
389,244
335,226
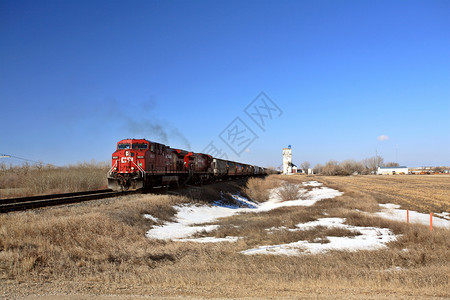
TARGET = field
x,y
101,248
424,193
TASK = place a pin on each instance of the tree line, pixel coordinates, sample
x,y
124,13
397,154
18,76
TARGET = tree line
x,y
348,167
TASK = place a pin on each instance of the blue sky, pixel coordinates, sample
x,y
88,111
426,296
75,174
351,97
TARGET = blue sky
x,y
77,76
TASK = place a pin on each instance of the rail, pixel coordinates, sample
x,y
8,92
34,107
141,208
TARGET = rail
x,y
24,203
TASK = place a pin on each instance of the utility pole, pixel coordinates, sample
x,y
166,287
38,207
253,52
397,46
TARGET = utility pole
x,y
3,156
396,154
376,157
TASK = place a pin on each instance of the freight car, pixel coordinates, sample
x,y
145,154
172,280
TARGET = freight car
x,y
139,164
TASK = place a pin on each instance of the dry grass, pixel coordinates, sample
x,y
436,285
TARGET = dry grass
x,y
423,193
257,189
29,180
101,248
288,191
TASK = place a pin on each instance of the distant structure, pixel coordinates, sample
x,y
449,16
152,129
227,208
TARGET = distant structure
x,y
392,170
430,170
287,160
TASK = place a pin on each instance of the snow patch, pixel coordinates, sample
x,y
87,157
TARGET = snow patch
x,y
239,202
393,212
444,215
312,183
209,239
192,219
188,216
326,222
307,198
371,238
150,217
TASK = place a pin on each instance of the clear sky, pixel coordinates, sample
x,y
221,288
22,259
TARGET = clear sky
x,y
345,78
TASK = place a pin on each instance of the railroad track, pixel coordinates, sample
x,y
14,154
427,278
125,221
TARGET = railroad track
x,y
24,203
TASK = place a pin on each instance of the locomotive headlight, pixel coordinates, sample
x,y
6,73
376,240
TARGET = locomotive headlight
x,y
127,153
132,168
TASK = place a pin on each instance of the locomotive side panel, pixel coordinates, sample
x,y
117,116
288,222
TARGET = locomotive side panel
x,y
202,163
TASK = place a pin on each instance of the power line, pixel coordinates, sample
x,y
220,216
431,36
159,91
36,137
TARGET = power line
x,y
21,158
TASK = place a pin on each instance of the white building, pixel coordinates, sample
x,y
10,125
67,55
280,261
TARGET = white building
x,y
392,170
287,160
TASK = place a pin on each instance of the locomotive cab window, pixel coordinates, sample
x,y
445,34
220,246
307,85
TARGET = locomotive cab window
x,y
140,146
123,146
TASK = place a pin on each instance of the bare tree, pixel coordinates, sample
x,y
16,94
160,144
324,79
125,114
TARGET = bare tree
x,y
318,169
372,163
332,167
391,164
350,167
305,166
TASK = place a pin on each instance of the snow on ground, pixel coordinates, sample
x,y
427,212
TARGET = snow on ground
x,y
210,239
240,202
150,217
192,219
312,183
188,216
444,215
307,198
370,238
393,212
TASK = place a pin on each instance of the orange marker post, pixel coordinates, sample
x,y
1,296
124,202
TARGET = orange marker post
x,y
431,222
407,216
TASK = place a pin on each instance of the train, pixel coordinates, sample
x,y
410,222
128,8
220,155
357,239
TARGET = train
x,y
142,164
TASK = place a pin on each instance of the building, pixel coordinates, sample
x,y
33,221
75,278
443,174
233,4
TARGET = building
x,y
287,160
392,170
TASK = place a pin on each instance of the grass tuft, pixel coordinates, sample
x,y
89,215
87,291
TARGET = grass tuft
x,y
288,191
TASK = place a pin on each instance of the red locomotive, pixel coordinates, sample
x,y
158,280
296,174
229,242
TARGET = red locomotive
x,y
138,163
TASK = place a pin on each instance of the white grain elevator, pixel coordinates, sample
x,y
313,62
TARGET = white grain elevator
x,y
287,160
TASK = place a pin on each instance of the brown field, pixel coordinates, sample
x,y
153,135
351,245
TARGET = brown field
x,y
99,249
423,193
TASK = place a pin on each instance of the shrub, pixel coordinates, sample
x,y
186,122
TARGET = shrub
x,y
288,191
257,189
